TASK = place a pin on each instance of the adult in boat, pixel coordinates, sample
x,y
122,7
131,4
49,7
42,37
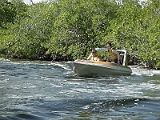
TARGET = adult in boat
x,y
113,55
94,56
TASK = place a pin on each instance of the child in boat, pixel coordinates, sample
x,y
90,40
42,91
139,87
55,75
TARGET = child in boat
x,y
94,56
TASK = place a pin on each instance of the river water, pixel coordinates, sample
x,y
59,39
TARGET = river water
x,y
42,90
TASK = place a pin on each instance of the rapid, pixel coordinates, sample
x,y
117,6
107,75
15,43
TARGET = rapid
x,y
41,90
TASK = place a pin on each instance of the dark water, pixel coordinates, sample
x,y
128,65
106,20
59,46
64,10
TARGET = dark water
x,y
49,91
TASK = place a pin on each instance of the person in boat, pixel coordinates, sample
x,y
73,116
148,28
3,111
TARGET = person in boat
x,y
113,55
94,56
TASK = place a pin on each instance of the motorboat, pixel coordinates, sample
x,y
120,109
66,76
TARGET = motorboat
x,y
87,67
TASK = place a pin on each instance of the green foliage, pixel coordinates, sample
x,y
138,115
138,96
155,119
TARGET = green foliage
x,y
69,29
7,13
80,26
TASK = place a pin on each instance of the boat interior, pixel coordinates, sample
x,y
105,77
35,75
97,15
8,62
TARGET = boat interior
x,y
102,53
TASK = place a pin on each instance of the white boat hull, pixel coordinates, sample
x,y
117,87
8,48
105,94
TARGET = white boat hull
x,y
91,68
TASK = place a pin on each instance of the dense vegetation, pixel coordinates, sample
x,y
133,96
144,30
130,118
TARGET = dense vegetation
x,y
69,29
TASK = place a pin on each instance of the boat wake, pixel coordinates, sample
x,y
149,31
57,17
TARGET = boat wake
x,y
143,71
59,64
69,74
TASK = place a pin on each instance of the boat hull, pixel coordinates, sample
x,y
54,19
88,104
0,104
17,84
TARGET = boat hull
x,y
94,68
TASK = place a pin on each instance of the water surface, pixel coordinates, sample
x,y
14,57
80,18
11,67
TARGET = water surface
x,y
42,90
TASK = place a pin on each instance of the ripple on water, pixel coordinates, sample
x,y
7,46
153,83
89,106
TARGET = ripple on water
x,y
41,91
96,108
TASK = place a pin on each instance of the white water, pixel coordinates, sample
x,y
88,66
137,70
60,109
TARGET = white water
x,y
42,90
138,70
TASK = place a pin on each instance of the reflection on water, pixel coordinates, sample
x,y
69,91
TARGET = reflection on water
x,y
46,91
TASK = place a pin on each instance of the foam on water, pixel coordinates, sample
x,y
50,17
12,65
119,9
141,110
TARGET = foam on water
x,y
137,70
41,90
59,64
